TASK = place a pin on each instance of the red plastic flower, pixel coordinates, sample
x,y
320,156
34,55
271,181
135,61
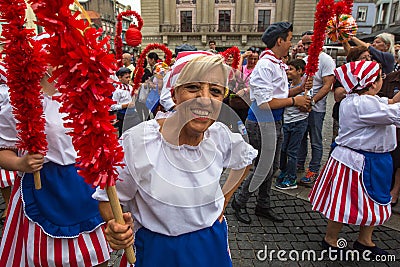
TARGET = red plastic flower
x,y
25,68
83,70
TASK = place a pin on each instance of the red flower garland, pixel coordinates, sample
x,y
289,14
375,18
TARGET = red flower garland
x,y
118,32
139,70
25,68
235,52
325,10
83,70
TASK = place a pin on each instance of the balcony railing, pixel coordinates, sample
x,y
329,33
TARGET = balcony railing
x,y
378,27
209,28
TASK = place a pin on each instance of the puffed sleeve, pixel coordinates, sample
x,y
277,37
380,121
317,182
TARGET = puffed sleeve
x,y
125,185
261,86
236,153
373,110
8,132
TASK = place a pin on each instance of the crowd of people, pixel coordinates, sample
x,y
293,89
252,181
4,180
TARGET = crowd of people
x,y
176,149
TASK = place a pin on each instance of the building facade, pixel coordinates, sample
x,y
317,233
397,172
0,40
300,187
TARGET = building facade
x,y
228,22
364,13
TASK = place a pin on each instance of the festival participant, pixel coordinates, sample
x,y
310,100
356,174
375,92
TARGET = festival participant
x,y
172,190
59,224
269,91
127,62
381,50
354,186
122,96
294,126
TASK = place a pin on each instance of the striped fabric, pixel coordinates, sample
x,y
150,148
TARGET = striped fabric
x,y
7,178
25,244
3,75
181,60
357,75
340,196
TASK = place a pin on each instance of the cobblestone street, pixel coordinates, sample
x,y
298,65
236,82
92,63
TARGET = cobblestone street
x,y
301,232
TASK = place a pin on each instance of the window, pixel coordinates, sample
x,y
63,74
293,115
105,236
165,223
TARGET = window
x,y
224,21
186,21
394,12
264,19
362,13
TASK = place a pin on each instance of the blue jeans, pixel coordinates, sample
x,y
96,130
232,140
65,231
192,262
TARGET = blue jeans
x,y
315,122
292,135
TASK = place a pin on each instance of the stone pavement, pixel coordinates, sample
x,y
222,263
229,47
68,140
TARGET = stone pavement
x,y
300,234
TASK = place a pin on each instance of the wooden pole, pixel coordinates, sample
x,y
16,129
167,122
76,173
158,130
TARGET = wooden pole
x,y
36,179
117,211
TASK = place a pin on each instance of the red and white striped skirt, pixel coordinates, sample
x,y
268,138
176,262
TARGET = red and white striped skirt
x,y
25,244
340,196
7,178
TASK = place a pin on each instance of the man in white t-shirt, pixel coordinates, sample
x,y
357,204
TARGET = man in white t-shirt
x,y
322,84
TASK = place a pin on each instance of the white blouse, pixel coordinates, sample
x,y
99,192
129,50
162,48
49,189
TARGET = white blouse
x,y
368,123
8,132
121,95
176,189
60,148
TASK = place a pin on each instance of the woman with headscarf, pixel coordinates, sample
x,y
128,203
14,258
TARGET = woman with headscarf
x,y
59,224
354,186
171,181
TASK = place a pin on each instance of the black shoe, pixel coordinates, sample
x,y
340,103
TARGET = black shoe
x,y
269,214
240,213
374,250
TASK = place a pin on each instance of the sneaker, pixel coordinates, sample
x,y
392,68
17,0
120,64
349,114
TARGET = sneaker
x,y
280,178
287,184
309,178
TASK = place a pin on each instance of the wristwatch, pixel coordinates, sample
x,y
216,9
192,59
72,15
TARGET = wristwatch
x,y
312,102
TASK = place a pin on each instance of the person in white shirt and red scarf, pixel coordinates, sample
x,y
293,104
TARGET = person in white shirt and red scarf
x,y
269,93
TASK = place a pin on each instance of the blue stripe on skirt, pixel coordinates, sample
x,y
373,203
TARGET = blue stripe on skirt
x,y
205,247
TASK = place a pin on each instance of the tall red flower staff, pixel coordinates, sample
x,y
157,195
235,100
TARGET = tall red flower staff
x,y
325,10
83,70
133,36
25,68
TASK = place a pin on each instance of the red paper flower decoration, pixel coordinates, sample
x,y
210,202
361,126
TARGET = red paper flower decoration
x,y
83,70
133,36
139,70
25,68
235,52
325,10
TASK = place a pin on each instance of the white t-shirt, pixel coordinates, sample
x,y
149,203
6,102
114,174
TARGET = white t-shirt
x,y
171,189
368,123
326,67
